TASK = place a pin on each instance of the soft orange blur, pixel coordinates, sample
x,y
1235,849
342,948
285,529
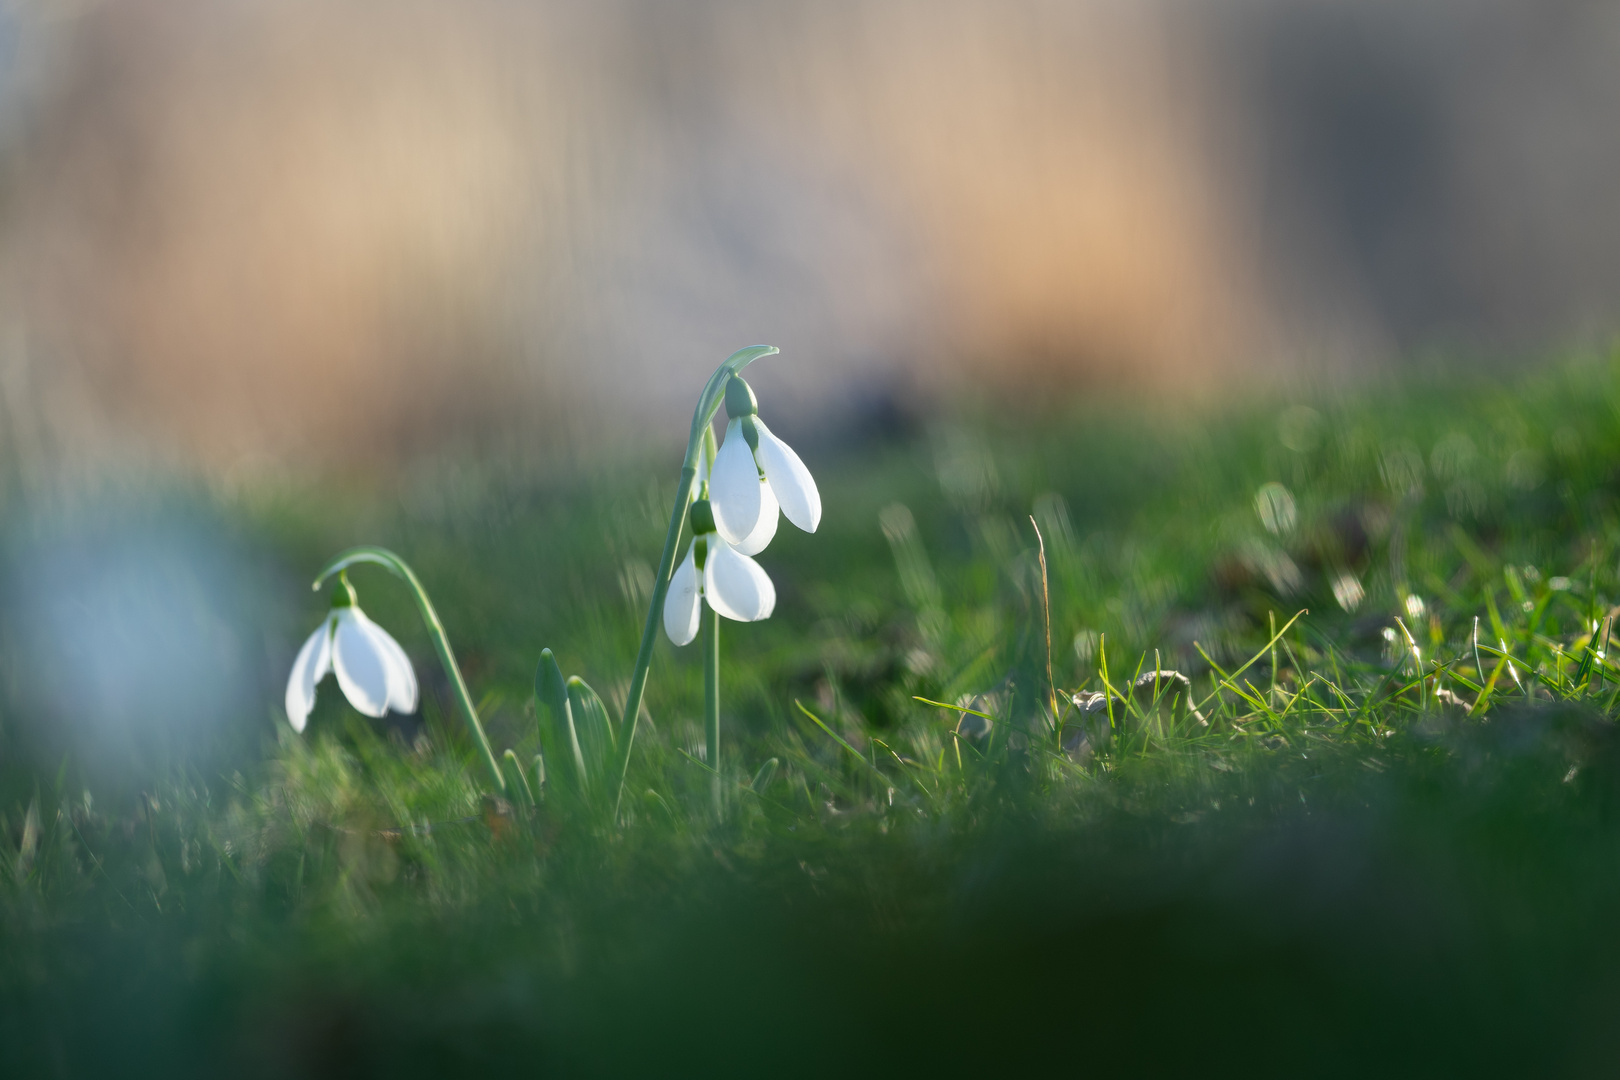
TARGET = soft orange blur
x,y
322,232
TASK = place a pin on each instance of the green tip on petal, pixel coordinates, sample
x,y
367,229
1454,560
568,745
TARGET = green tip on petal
x,y
740,400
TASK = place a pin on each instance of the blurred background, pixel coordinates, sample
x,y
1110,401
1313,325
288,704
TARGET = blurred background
x,y
1229,298
295,235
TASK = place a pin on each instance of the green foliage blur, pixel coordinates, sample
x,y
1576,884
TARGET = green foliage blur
x,y
1380,835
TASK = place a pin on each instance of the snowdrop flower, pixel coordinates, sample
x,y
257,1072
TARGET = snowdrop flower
x,y
372,670
733,584
755,474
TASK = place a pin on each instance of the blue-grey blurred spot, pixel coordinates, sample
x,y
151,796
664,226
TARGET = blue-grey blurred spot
x,y
132,645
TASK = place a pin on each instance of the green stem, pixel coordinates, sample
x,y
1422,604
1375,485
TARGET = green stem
x,y
441,644
711,697
708,403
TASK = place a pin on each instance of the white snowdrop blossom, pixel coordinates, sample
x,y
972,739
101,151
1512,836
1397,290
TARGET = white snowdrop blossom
x,y
372,670
755,475
720,573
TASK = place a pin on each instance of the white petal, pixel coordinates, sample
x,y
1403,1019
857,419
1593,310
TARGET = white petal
x,y
756,541
794,486
361,666
737,586
314,661
682,604
734,487
402,688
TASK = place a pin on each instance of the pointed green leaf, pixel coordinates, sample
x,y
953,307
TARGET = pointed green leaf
x,y
516,782
559,736
591,721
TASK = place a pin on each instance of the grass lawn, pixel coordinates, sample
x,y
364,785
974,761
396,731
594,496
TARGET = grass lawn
x,y
1374,829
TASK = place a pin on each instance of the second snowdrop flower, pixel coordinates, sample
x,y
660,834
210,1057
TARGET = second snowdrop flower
x,y
755,474
715,571
372,670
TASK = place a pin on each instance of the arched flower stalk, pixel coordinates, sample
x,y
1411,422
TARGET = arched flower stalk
x,y
441,644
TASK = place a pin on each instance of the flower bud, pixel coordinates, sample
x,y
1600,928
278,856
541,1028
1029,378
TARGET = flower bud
x,y
702,517
740,400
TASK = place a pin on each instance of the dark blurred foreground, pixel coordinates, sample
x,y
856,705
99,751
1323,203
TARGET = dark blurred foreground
x,y
1443,906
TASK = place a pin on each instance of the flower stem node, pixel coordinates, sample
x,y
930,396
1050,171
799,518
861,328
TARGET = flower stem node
x,y
372,670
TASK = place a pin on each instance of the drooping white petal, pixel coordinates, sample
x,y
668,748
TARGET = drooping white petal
x,y
683,603
795,488
359,661
402,688
734,487
314,661
737,586
756,541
